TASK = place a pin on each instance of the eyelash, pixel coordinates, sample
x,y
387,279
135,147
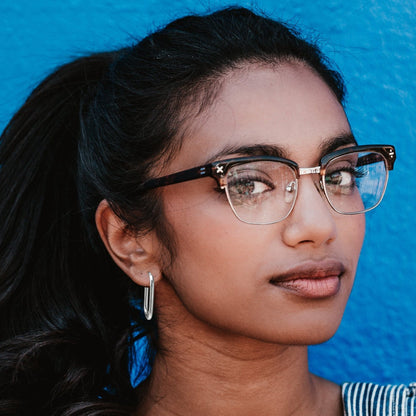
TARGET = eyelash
x,y
354,171
249,178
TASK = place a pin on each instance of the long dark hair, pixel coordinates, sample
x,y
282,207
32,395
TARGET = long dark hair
x,y
91,131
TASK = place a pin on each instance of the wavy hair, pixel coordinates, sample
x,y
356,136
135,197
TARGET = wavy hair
x,y
93,130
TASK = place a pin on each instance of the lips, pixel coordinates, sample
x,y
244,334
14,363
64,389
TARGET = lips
x,y
313,280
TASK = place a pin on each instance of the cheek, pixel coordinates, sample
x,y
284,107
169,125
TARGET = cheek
x,y
349,241
351,231
217,256
211,245
208,236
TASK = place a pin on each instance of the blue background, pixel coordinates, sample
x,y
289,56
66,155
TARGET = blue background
x,y
374,46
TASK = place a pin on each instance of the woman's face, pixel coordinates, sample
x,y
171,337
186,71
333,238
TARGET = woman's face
x,y
286,282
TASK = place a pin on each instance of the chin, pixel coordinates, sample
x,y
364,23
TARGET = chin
x,y
319,338
315,334
311,329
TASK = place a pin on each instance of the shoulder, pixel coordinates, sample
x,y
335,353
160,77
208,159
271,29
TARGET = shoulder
x,y
368,399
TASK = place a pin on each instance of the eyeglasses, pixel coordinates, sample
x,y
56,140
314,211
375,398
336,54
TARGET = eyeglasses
x,y
263,189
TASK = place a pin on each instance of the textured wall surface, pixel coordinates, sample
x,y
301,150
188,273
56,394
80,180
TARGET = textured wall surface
x,y
373,43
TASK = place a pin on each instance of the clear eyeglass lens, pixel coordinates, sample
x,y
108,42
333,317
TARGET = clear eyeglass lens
x,y
261,192
355,182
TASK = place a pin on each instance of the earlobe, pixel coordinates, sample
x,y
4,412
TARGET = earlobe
x,y
135,255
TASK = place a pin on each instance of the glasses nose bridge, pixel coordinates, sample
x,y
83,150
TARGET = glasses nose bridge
x,y
312,171
309,171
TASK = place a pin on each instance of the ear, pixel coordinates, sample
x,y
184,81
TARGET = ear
x,y
135,255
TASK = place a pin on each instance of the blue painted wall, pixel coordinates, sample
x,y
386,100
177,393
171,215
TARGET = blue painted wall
x,y
374,44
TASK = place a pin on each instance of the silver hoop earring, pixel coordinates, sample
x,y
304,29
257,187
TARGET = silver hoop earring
x,y
149,297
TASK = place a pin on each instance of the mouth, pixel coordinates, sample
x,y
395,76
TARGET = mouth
x,y
312,280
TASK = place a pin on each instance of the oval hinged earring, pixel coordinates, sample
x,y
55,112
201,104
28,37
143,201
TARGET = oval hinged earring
x,y
149,297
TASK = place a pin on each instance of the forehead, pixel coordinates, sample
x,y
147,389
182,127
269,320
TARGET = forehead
x,y
287,105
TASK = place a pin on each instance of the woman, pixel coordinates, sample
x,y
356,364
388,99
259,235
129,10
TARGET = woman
x,y
211,164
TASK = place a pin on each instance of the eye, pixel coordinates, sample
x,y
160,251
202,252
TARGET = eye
x,y
249,185
344,178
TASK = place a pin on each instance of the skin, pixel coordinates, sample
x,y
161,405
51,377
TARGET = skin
x,y
231,341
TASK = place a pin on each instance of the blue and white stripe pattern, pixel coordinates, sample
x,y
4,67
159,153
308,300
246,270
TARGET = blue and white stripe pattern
x,y
367,399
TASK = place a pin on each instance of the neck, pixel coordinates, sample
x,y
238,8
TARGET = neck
x,y
206,371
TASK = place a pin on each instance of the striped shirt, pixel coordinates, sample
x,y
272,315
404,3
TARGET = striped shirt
x,y
367,399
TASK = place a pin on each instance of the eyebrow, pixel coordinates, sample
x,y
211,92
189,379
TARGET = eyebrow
x,y
334,143
327,146
257,149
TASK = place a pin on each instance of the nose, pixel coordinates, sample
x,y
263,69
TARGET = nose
x,y
312,220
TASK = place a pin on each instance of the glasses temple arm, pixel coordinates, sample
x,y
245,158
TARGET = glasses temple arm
x,y
183,176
